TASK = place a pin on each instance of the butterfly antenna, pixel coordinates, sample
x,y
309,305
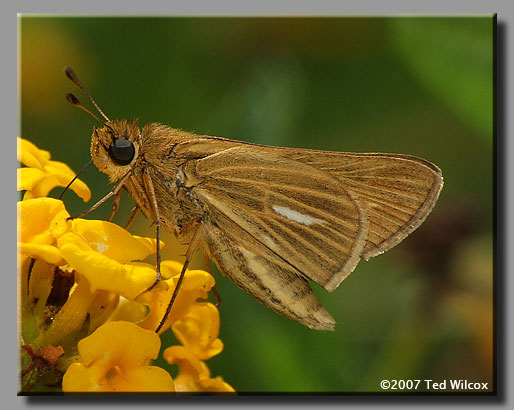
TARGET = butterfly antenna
x,y
75,101
73,77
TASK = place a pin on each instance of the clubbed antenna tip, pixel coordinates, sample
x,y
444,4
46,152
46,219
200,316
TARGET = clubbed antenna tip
x,y
73,77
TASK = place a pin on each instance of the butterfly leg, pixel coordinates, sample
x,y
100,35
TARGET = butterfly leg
x,y
133,215
153,200
189,253
75,177
114,191
115,205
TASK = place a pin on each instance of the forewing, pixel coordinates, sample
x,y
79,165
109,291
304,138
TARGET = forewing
x,y
302,216
397,192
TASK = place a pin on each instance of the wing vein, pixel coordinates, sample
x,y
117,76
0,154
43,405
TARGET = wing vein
x,y
298,204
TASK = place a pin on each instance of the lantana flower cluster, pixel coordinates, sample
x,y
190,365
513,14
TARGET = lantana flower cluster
x,y
87,316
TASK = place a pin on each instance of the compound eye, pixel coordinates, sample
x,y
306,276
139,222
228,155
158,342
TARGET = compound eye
x,y
122,151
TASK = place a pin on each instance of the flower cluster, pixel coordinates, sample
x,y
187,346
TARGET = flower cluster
x,y
87,316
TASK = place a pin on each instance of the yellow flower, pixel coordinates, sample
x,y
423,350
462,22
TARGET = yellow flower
x,y
41,222
84,292
42,174
115,358
198,330
98,253
101,251
194,375
195,285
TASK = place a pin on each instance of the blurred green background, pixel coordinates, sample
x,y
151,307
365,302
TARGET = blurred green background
x,y
419,86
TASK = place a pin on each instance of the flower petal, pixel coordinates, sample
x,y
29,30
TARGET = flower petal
x,y
80,378
157,300
114,358
62,175
55,173
194,375
42,215
123,342
101,308
102,272
30,155
144,379
195,285
70,317
42,189
48,253
39,288
27,178
129,311
42,220
198,330
114,241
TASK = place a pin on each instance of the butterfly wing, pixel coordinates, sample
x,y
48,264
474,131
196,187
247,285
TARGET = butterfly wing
x,y
286,221
397,192
303,215
257,270
278,217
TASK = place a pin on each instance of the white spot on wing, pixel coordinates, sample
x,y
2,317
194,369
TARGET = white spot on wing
x,y
268,241
297,216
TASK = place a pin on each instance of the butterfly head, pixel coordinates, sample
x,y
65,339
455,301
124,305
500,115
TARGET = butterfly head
x,y
115,147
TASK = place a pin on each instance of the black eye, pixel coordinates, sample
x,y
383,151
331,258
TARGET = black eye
x,y
122,151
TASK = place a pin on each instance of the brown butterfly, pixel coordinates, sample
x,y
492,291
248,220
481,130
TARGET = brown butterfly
x,y
271,218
